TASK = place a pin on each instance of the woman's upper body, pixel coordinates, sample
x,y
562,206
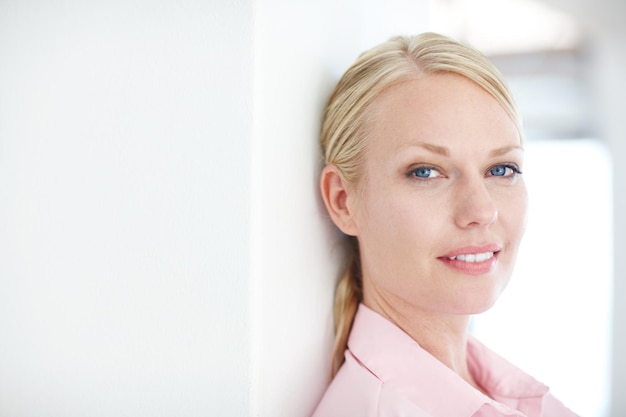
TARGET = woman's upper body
x,y
438,211
387,374
424,159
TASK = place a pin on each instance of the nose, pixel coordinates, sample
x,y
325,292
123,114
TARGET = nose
x,y
475,205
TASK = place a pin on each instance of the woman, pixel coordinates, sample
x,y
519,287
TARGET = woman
x,y
423,151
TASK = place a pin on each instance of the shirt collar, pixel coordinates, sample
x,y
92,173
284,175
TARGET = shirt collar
x,y
403,365
505,382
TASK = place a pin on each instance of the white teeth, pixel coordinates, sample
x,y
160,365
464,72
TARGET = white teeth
x,y
478,257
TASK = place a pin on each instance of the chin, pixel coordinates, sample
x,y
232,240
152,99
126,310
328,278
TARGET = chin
x,y
483,308
477,304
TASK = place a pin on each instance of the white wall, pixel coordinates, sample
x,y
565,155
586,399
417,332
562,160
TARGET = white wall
x,y
124,207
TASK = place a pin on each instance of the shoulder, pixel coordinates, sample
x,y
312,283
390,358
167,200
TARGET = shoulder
x,y
355,391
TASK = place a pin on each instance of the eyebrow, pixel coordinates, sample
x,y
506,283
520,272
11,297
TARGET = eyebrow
x,y
440,150
443,151
505,149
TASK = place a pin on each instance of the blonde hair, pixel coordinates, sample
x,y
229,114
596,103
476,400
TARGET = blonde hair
x,y
344,135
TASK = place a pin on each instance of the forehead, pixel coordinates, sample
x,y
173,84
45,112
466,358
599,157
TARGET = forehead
x,y
443,109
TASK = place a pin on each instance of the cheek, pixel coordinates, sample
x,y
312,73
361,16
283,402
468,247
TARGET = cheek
x,y
378,220
400,214
514,212
399,233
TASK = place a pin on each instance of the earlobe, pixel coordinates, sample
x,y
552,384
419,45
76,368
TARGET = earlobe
x,y
337,198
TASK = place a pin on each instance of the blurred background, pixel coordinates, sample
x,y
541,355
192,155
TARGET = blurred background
x,y
163,248
557,319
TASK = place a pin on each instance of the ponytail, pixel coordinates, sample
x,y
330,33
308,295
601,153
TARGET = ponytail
x,y
347,298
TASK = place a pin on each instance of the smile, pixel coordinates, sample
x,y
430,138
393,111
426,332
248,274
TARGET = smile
x,y
473,260
473,257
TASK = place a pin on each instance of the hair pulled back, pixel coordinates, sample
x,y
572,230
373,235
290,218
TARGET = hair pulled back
x,y
344,135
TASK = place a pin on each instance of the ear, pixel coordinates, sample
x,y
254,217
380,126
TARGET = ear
x,y
338,198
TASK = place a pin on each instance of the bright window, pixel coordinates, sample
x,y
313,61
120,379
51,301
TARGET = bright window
x,y
554,319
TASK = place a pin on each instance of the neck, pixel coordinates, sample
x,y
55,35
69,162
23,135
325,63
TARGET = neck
x,y
443,336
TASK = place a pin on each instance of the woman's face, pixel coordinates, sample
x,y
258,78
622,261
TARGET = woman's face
x,y
441,205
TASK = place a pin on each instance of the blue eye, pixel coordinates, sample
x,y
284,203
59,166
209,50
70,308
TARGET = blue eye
x,y
504,170
425,172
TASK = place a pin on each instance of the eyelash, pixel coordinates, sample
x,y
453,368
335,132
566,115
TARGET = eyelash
x,y
515,171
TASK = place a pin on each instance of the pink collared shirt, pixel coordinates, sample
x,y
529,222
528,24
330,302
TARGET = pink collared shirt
x,y
387,374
